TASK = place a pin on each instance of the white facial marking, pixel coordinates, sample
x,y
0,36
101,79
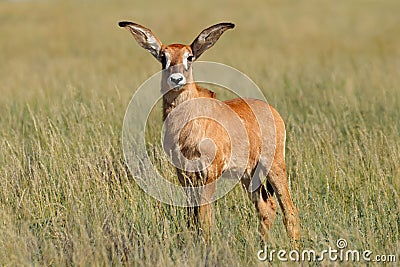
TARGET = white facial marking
x,y
185,61
168,58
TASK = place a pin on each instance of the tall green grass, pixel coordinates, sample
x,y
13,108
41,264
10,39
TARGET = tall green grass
x,y
67,73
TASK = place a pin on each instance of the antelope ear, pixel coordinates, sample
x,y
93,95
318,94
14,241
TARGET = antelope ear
x,y
145,37
208,37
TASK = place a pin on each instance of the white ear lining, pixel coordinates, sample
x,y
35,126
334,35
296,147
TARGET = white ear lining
x,y
147,39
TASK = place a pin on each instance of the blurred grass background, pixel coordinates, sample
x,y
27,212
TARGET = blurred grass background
x,y
67,72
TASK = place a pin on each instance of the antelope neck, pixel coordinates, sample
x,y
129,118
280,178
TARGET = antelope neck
x,y
173,98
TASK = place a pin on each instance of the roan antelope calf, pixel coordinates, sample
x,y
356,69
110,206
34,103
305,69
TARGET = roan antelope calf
x,y
179,89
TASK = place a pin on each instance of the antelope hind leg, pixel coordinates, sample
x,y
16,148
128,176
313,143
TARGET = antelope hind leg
x,y
277,178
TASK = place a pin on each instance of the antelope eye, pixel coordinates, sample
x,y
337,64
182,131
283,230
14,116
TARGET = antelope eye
x,y
163,60
190,58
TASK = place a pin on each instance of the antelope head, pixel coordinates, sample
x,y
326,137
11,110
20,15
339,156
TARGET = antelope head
x,y
176,59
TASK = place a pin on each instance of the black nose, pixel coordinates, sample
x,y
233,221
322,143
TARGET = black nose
x,y
176,80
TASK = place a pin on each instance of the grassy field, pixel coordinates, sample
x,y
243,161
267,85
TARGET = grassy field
x,y
67,73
